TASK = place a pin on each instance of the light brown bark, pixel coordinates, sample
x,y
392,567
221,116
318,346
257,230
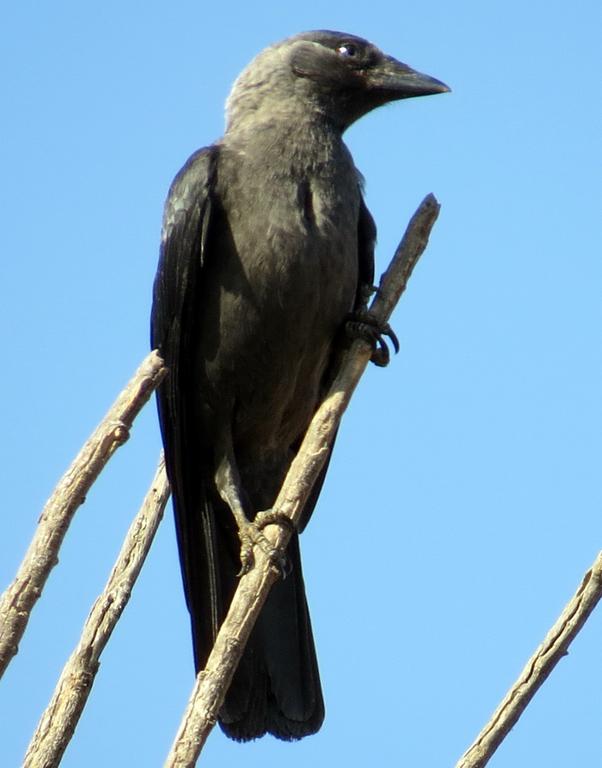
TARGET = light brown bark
x,y
212,683
19,598
62,714
537,669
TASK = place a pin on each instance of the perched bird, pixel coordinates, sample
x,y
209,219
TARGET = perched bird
x,y
267,247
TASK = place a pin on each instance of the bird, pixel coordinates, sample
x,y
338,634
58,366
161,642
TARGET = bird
x,y
267,251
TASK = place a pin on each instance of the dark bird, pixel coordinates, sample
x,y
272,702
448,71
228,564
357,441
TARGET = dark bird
x,y
267,247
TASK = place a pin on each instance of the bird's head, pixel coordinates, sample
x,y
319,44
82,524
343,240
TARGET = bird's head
x,y
339,76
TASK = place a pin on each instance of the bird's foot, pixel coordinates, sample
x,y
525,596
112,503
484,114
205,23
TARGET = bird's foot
x,y
362,324
252,535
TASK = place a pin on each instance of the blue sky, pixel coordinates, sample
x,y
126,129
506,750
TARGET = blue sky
x,y
463,501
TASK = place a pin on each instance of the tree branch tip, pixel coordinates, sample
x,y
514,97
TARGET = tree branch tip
x,y
428,208
430,200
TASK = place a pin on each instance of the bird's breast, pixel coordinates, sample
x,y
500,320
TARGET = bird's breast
x,y
286,277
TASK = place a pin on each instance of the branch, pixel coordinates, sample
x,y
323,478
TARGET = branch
x,y
537,669
58,723
213,682
20,597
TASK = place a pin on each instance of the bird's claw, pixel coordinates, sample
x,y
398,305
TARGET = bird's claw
x,y
252,535
362,324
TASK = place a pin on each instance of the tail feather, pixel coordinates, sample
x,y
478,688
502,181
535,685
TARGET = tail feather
x,y
276,688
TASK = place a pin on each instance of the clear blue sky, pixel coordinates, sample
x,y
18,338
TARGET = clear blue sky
x,y
463,502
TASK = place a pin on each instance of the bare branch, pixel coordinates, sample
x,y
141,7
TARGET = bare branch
x,y
58,723
20,597
537,669
212,683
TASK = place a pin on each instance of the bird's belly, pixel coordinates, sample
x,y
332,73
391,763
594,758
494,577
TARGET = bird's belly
x,y
278,321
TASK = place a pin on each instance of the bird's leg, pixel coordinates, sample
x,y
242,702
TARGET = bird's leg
x,y
250,532
362,324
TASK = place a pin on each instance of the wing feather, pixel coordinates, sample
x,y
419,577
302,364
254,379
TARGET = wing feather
x,y
185,249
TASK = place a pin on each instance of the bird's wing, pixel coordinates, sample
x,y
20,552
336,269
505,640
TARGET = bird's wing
x,y
185,245
366,239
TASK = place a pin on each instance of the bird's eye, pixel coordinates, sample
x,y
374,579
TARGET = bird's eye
x,y
348,50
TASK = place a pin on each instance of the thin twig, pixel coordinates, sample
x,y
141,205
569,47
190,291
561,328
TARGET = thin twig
x,y
212,683
18,600
537,669
58,723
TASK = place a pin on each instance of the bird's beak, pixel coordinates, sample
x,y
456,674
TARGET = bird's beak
x,y
399,81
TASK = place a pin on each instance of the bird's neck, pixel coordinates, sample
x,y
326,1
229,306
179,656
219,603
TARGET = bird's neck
x,y
308,138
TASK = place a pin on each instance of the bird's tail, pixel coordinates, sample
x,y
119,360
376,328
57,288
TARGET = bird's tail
x,y
276,688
